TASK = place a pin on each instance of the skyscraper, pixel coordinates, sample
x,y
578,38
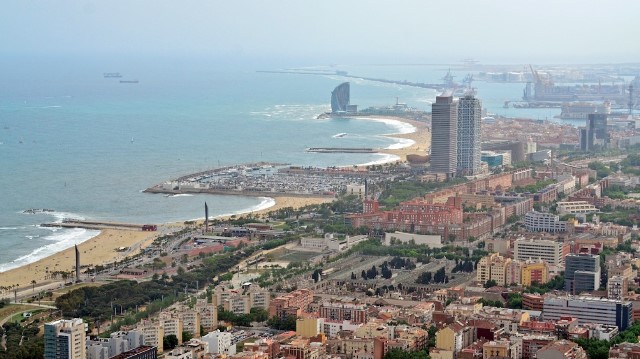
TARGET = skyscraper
x,y
582,273
595,135
444,138
469,135
340,97
65,339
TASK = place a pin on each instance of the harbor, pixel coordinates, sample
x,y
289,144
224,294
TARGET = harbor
x,y
288,181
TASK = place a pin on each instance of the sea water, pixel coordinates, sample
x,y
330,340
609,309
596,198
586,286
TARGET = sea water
x,y
86,146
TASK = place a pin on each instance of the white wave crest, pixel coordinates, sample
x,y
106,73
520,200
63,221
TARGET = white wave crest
x,y
401,143
399,127
65,239
384,158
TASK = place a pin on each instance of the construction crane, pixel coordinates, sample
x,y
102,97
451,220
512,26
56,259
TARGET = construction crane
x,y
468,80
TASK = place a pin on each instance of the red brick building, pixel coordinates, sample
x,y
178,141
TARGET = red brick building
x,y
291,304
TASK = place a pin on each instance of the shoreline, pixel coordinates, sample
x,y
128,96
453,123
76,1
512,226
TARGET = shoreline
x,y
102,248
420,138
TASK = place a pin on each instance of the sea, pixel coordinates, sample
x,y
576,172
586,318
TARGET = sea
x,y
85,146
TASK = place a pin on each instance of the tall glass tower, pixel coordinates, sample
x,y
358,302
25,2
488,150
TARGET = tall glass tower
x,y
469,135
444,140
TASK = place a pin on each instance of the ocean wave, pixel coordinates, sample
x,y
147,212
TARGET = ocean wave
x,y
265,202
401,143
384,158
398,126
180,195
60,216
67,238
8,228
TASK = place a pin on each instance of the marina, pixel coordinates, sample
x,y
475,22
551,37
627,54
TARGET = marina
x,y
267,181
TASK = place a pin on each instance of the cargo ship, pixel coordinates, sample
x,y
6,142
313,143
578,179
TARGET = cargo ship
x,y
112,75
129,81
581,110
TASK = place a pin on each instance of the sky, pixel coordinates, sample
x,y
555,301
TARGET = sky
x,y
327,31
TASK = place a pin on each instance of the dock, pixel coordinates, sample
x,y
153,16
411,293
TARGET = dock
x,y
98,225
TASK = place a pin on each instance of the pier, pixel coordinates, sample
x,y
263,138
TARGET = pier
x,y
70,223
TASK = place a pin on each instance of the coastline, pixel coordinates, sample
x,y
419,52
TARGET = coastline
x,y
102,248
418,140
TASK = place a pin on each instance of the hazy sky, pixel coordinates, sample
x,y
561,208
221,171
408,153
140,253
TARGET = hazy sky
x,y
322,31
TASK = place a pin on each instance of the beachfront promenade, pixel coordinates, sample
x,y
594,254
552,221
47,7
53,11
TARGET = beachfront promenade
x,y
268,180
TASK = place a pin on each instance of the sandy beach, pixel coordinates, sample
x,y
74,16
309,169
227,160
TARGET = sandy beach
x,y
421,138
103,248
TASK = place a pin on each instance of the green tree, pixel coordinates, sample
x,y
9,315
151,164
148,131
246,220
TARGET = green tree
x,y
170,341
397,353
186,336
490,283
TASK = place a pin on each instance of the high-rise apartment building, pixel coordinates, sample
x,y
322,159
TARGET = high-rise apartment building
x,y
469,135
595,135
444,135
582,273
208,314
65,339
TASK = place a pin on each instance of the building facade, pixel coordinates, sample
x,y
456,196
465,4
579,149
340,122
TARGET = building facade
x,y
551,252
469,131
582,273
65,339
544,222
340,97
589,310
444,137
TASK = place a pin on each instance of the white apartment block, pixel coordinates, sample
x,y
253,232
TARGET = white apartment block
x,y
331,328
551,252
219,343
543,222
573,207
